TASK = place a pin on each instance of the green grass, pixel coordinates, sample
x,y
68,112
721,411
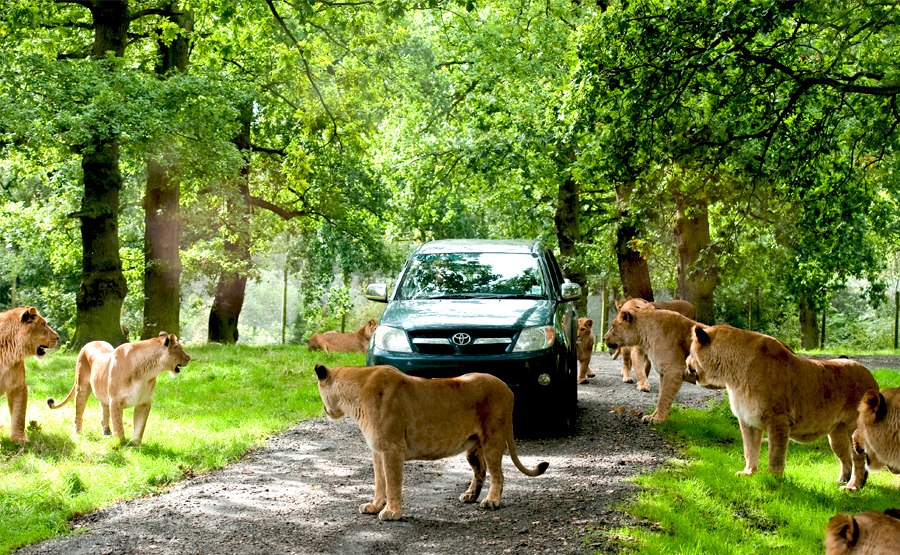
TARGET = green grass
x,y
696,504
225,402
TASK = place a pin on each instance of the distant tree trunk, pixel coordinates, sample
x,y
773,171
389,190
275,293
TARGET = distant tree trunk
x,y
98,302
162,213
568,234
231,287
809,323
695,284
633,269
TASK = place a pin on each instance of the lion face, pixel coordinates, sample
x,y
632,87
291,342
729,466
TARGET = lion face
x,y
175,355
370,328
868,533
622,331
585,328
696,371
36,336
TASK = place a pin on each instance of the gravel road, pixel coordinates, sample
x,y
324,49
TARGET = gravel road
x,y
299,493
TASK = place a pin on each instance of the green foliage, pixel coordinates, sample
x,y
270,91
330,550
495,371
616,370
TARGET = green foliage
x,y
696,504
225,403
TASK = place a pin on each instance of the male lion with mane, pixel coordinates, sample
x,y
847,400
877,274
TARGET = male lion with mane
x,y
23,333
773,390
122,377
410,418
868,533
336,342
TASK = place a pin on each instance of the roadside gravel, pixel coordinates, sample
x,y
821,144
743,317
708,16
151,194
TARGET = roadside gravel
x,y
299,493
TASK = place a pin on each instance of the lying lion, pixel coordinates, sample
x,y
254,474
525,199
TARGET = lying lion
x,y
878,430
868,533
122,377
584,346
23,333
409,418
335,342
664,336
773,390
633,356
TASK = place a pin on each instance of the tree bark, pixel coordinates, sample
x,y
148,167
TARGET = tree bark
x,y
162,213
231,287
809,323
568,234
103,287
633,268
695,284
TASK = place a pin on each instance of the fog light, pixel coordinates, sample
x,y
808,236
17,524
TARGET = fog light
x,y
544,379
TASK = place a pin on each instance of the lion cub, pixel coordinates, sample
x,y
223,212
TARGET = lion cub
x,y
123,377
410,418
773,390
868,533
584,346
878,430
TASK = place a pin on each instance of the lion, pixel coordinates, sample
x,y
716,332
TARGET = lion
x,y
584,346
410,418
868,533
634,356
332,341
23,333
122,377
877,433
773,390
664,337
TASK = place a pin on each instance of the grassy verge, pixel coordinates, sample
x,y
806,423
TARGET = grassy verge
x,y
224,403
696,505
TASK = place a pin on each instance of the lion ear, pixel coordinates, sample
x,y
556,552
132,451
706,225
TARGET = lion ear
x,y
844,527
29,314
321,372
701,335
628,317
589,323
893,513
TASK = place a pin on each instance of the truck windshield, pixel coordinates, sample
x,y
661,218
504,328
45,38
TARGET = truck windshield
x,y
473,275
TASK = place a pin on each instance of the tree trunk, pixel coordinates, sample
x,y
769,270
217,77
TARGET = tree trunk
x,y
231,287
809,324
695,284
162,214
568,234
103,287
633,268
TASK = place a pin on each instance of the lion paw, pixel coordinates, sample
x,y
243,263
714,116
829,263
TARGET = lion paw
x,y
653,419
628,379
489,503
389,514
591,374
468,497
644,386
370,509
582,380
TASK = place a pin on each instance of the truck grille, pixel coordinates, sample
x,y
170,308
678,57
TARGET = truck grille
x,y
462,342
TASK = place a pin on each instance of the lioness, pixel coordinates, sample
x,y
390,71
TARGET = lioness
x,y
878,430
664,336
23,333
409,418
335,342
584,346
868,533
633,356
773,390
123,377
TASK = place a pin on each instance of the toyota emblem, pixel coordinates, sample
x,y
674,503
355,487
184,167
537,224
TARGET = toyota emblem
x,y
461,339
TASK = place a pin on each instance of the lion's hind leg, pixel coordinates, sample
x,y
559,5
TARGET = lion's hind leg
x,y
493,456
476,460
853,464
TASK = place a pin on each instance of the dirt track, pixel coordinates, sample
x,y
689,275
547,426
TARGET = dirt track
x,y
300,492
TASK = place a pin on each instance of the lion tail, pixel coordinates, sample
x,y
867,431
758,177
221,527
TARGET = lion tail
x,y
54,405
536,471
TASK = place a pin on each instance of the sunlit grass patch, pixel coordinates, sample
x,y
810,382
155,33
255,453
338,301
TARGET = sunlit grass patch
x,y
226,401
697,505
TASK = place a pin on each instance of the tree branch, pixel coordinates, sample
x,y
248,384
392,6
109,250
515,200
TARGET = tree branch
x,y
275,209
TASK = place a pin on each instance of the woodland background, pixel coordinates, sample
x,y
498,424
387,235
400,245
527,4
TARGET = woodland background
x,y
239,169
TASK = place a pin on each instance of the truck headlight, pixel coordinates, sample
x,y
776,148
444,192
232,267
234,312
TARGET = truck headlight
x,y
535,339
391,339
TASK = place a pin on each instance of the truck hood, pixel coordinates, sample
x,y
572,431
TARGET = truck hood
x,y
468,313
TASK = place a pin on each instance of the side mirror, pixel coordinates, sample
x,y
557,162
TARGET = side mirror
x,y
377,292
570,291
